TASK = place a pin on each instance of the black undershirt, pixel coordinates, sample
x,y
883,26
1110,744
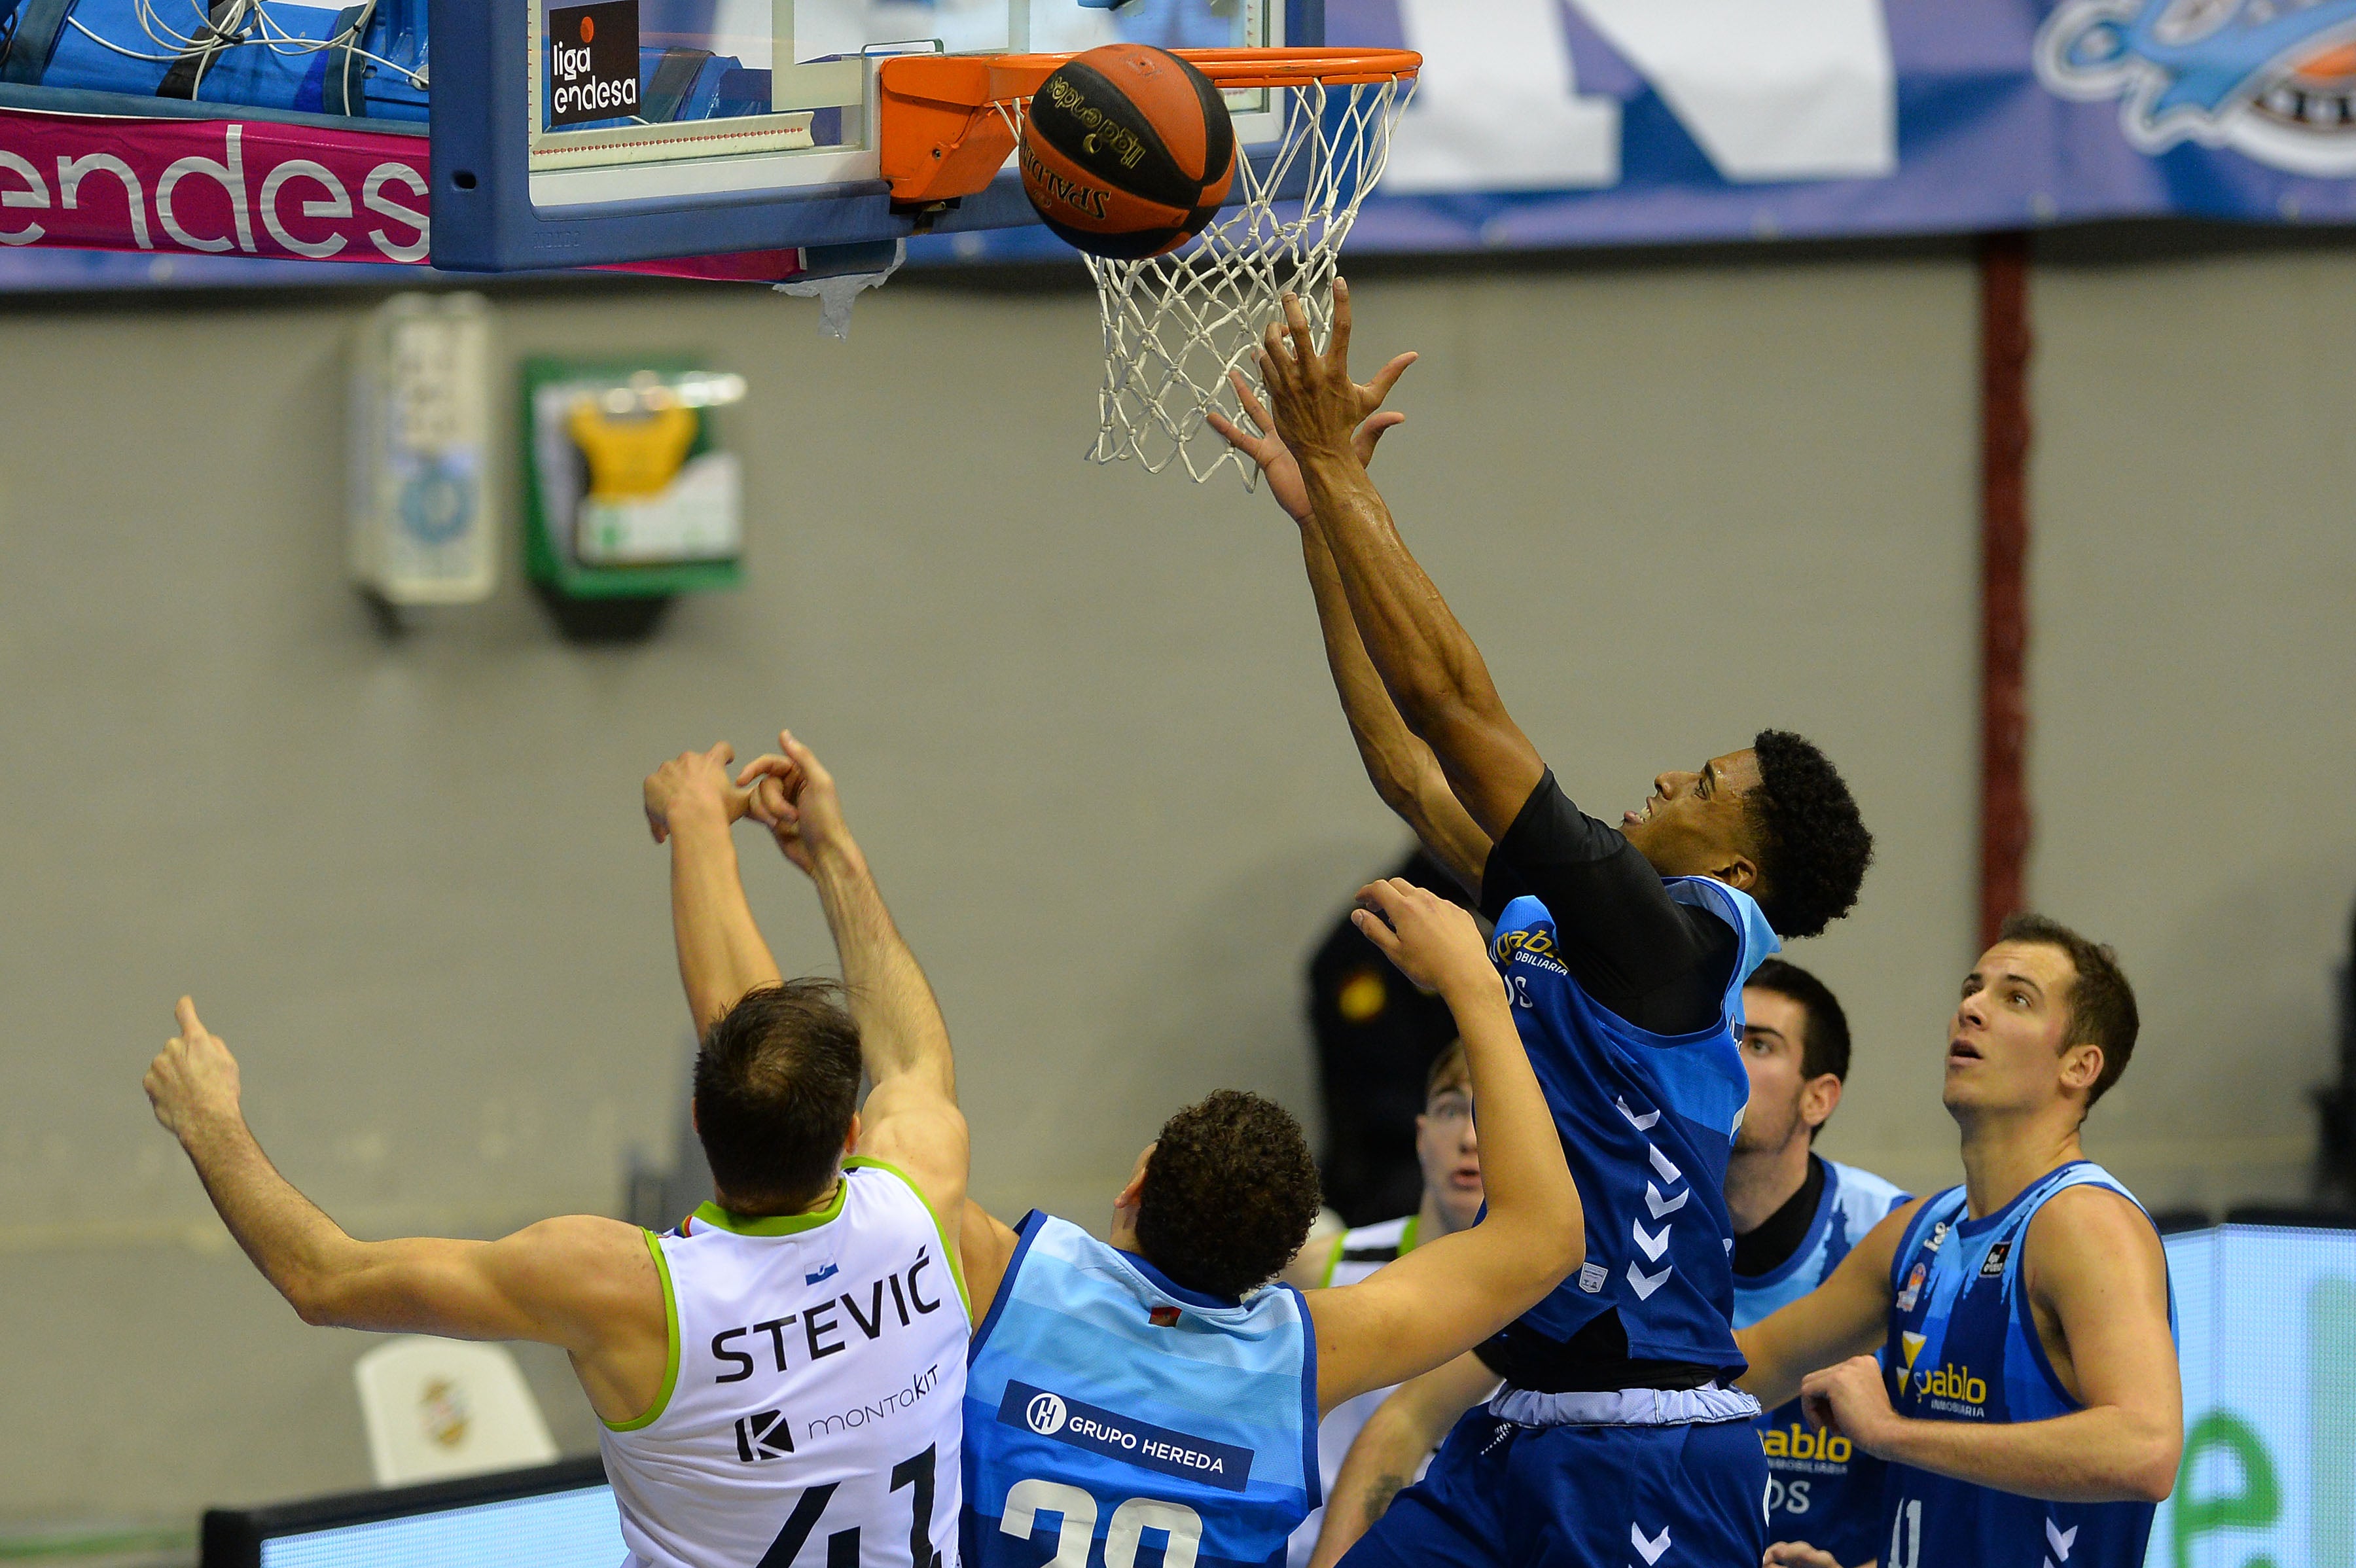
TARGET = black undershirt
x,y
1659,964
1768,1248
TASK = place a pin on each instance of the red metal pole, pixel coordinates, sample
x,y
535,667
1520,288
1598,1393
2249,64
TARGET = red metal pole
x,y
2003,578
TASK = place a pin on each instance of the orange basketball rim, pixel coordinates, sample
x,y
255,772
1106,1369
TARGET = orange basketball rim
x,y
949,121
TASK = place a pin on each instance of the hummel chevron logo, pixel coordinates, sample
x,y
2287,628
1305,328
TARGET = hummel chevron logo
x,y
1644,1285
2061,1541
1653,1246
1662,1206
1644,1123
767,1435
1650,1550
1669,1173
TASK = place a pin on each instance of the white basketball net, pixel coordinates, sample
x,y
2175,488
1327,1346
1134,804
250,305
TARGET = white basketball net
x,y
1175,325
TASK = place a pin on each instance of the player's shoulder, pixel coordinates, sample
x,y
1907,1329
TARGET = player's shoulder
x,y
1863,1194
585,1258
2094,1211
582,1237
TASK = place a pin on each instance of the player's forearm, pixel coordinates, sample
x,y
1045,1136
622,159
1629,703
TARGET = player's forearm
x,y
900,1029
720,953
1427,661
1401,768
2105,1455
1382,1463
301,1251
1392,1446
1535,1221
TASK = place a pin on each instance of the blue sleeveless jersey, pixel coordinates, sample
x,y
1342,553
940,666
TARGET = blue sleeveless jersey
x,y
1820,1488
1647,1122
1109,1412
1963,1347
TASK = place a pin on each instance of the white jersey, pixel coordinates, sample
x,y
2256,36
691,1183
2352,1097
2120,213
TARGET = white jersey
x,y
812,1410
1356,1253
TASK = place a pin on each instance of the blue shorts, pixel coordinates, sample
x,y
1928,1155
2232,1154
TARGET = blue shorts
x,y
1502,1495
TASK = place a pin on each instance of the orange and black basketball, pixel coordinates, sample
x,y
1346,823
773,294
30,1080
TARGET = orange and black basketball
x,y
1127,151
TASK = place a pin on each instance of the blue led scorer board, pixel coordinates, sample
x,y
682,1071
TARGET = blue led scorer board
x,y
570,133
555,1529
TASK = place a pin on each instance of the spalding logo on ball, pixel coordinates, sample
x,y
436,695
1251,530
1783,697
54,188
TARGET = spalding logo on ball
x,y
1127,151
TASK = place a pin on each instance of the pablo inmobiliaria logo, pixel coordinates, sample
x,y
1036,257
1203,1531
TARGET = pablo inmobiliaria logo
x,y
2272,79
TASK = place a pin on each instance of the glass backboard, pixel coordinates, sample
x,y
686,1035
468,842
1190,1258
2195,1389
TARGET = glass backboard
x,y
635,107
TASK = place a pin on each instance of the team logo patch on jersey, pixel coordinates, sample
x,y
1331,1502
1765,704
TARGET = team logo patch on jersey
x,y
768,1436
1100,1431
1994,1265
1913,1290
1163,1317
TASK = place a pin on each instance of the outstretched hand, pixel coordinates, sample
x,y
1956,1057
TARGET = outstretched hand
x,y
193,1078
1432,941
690,782
790,792
1798,1554
1275,459
1318,407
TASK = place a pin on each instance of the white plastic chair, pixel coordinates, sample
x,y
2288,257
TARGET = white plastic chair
x,y
437,1409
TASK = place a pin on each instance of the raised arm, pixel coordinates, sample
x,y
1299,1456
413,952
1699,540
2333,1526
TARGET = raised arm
x,y
1401,768
691,804
910,1118
1449,1295
583,1283
2097,1283
1393,1444
1847,1315
1428,664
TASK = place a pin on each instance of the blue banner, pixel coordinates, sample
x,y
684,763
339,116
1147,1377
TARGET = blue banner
x,y
1543,122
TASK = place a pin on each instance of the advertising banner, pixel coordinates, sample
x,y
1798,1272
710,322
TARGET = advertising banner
x,y
211,188
1550,122
2266,1337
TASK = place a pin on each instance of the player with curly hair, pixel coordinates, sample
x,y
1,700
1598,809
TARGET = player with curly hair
x,y
1149,1384
1625,948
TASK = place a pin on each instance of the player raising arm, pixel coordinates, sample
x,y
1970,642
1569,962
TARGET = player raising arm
x,y
1162,1381
1626,949
813,1282
2025,1316
1451,1292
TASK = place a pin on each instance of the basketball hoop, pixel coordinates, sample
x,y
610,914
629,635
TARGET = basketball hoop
x,y
1175,325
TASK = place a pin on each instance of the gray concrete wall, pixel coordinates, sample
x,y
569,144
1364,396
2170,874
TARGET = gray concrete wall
x,y
1081,719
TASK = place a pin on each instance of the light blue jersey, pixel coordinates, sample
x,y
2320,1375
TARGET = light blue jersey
x,y
1963,1347
1820,1489
1111,1412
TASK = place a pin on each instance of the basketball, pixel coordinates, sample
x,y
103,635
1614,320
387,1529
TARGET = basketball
x,y
1127,151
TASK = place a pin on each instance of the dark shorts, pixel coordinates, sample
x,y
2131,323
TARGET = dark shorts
x,y
1502,1495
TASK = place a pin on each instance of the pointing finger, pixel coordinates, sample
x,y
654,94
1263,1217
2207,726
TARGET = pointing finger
x,y
722,753
1228,431
1296,321
186,1013
1250,399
